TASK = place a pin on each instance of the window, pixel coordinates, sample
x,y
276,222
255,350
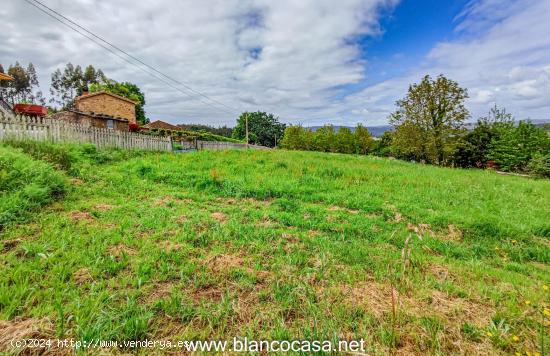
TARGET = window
x,y
110,124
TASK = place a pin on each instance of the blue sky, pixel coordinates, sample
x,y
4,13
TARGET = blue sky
x,y
308,61
409,32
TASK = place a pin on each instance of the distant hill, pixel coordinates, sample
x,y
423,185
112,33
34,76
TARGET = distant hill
x,y
376,131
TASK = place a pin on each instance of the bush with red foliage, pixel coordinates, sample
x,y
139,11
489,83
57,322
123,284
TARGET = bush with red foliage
x,y
133,127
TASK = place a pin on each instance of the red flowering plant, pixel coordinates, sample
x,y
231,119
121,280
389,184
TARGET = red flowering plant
x,y
133,127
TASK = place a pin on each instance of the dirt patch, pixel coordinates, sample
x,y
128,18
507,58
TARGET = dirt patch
x,y
81,216
372,296
420,229
120,250
162,201
26,328
77,181
224,263
258,202
313,233
103,207
266,222
181,219
158,291
454,233
440,272
225,201
169,246
10,244
457,310
211,293
83,276
219,217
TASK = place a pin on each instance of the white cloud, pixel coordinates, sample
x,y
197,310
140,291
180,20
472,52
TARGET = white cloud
x,y
281,56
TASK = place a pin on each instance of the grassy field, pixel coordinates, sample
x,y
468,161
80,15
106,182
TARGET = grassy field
x,y
279,245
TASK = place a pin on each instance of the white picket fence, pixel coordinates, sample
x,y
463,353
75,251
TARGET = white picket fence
x,y
45,129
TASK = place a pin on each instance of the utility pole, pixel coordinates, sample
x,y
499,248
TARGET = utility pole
x,y
246,124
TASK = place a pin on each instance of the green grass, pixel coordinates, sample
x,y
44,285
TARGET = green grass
x,y
284,245
25,186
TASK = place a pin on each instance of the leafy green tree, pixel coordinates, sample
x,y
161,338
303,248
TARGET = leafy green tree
x,y
345,142
24,88
362,140
127,90
429,119
473,148
513,150
295,138
324,139
263,128
72,82
382,146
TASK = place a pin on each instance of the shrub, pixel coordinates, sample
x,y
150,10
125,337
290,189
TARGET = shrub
x,y
540,165
514,148
25,186
132,127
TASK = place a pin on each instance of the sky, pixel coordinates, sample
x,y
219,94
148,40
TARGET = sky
x,y
310,62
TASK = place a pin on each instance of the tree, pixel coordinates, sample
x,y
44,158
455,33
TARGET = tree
x,y
24,88
324,139
382,146
429,119
473,148
72,82
345,141
362,140
516,147
263,128
295,138
127,90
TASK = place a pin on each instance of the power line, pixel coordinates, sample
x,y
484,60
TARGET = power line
x,y
91,37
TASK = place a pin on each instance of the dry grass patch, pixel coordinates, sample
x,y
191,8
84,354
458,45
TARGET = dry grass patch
x,y
120,250
26,328
82,276
81,216
103,207
456,311
169,246
219,217
10,244
224,263
158,290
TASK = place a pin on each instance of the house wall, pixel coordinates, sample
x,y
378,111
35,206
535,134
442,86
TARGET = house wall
x,y
88,121
107,105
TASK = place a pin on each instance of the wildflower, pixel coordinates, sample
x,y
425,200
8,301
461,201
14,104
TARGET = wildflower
x,y
515,338
514,242
527,302
546,312
496,248
518,353
545,287
490,334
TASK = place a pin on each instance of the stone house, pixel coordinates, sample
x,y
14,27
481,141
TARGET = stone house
x,y
102,110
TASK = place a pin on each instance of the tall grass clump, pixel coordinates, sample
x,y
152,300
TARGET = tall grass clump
x,y
26,185
71,157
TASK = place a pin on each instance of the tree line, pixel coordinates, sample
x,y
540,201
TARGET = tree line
x,y
429,127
